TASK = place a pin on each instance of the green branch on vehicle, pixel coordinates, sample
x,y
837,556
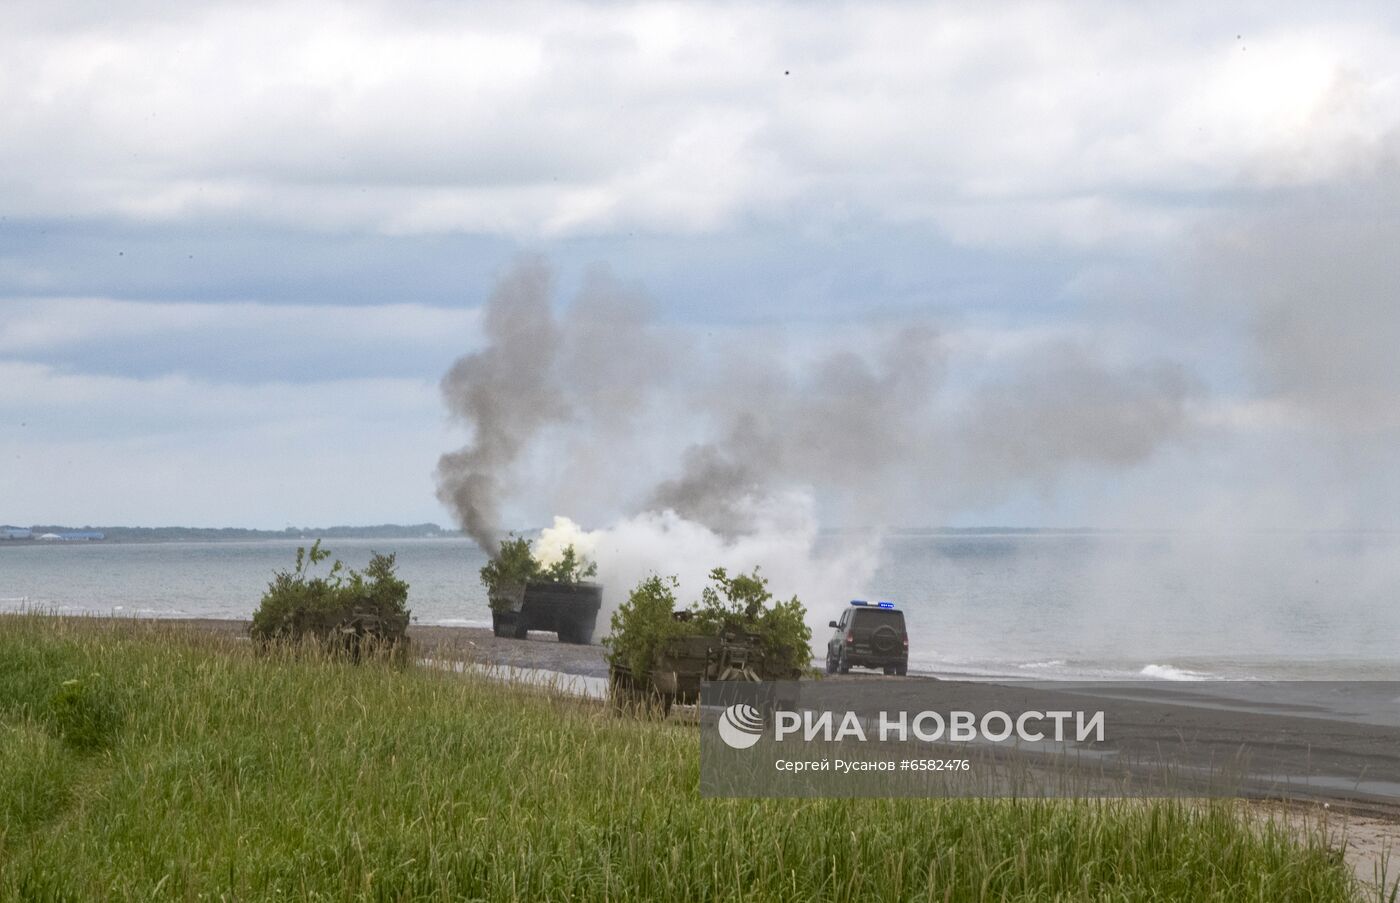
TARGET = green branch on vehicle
x,y
345,609
515,565
737,605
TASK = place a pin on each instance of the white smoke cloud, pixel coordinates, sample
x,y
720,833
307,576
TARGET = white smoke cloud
x,y
785,543
555,539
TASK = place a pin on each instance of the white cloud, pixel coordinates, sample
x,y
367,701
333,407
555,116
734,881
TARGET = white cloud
x,y
1068,122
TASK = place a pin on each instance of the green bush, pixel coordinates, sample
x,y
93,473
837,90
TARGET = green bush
x,y
346,611
643,623
515,565
740,604
743,604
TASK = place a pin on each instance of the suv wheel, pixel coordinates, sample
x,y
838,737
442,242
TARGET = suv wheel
x,y
901,670
884,640
843,666
830,664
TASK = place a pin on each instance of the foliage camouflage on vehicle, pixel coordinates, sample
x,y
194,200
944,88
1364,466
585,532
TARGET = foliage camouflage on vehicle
x,y
515,565
659,655
526,595
345,610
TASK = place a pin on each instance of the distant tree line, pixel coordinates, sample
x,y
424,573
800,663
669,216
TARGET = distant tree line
x,y
214,534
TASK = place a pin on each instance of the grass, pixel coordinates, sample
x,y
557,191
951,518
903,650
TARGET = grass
x,y
137,762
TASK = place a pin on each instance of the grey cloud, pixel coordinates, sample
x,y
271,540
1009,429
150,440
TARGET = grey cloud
x,y
612,349
888,438
994,124
714,483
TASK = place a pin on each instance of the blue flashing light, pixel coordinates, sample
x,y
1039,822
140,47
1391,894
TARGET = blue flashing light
x,y
885,604
859,602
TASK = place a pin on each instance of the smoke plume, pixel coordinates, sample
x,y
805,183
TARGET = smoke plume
x,y
588,370
1302,284
1316,279
505,392
648,420
784,541
734,449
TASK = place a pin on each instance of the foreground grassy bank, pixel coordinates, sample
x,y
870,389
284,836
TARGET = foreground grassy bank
x,y
138,762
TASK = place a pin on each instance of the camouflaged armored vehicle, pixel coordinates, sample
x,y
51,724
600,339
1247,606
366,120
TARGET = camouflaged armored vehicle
x,y
568,609
682,663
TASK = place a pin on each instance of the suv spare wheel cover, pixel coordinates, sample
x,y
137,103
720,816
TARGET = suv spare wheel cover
x,y
883,638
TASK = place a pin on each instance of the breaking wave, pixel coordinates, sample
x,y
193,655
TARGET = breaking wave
x,y
1168,672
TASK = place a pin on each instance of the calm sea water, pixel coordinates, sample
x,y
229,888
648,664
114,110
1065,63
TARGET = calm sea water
x,y
1296,606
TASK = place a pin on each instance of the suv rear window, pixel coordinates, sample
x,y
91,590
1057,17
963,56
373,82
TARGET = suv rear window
x,y
872,618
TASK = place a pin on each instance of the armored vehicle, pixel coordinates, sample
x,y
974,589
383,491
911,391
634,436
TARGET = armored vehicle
x,y
568,609
680,665
869,635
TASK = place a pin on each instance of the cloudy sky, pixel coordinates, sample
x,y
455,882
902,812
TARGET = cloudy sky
x,y
240,245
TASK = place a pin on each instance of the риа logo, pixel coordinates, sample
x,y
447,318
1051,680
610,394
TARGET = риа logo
x,y
740,726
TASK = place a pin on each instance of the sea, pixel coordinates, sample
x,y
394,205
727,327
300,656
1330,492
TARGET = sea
x,y
979,604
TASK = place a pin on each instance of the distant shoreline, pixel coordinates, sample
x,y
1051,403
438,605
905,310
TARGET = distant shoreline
x,y
228,534
111,535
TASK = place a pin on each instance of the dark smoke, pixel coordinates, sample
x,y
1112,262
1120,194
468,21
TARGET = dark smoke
x,y
505,393
886,433
715,480
876,428
585,369
843,423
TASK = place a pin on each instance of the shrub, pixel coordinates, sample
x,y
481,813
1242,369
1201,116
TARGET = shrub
x,y
642,623
515,565
740,604
344,610
743,604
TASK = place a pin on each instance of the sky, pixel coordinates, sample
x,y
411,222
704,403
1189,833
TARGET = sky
x,y
241,244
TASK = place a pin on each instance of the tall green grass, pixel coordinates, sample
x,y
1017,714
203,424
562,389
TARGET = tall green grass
x,y
228,775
